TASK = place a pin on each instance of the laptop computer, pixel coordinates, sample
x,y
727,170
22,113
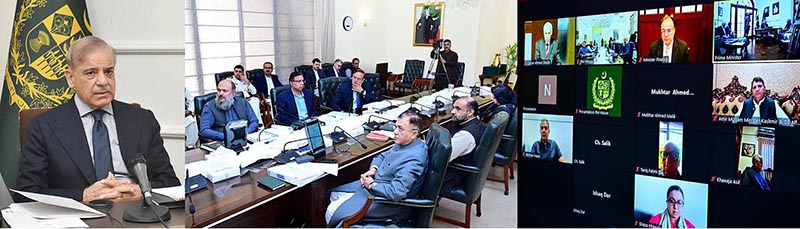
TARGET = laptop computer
x,y
5,195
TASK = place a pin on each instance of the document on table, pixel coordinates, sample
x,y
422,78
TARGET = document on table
x,y
18,219
48,207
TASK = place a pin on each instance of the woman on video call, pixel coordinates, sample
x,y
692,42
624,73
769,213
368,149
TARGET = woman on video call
x,y
671,217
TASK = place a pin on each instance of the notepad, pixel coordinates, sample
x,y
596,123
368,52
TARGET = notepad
x,y
271,183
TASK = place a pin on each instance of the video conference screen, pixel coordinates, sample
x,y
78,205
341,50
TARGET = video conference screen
x,y
659,113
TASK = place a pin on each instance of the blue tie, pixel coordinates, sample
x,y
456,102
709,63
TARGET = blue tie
x,y
762,182
101,146
356,101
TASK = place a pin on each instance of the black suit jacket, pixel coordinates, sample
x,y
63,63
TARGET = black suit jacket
x,y
343,101
680,50
311,79
749,178
261,83
55,157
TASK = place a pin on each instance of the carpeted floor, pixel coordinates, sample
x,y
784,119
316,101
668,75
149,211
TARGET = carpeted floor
x,y
498,210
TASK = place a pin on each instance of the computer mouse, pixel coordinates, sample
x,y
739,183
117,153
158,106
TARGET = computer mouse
x,y
101,204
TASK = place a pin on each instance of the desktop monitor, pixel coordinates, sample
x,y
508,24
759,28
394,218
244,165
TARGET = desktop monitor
x,y
235,135
314,135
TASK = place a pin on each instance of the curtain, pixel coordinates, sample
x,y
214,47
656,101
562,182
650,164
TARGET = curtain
x,y
294,35
767,146
324,31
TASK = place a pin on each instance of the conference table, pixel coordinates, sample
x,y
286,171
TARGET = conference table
x,y
242,202
118,209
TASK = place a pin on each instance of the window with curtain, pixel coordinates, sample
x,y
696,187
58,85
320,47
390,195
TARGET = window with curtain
x,y
220,34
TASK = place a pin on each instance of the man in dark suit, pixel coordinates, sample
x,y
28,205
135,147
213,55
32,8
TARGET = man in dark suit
x,y
547,47
312,75
753,176
759,106
227,107
395,174
350,97
448,61
336,70
627,51
297,104
675,50
266,82
84,149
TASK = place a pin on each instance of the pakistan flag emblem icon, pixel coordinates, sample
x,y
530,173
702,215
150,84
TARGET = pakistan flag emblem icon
x,y
603,89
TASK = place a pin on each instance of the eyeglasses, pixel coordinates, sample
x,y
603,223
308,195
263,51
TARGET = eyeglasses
x,y
666,31
401,129
237,71
544,127
673,202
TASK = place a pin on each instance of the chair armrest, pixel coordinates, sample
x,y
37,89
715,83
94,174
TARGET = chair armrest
x,y
325,109
352,219
417,203
465,168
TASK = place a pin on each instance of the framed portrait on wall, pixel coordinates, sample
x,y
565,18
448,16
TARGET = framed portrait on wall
x,y
428,23
775,8
748,149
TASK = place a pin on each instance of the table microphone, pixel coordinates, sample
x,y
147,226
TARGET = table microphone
x,y
149,211
295,125
372,125
351,137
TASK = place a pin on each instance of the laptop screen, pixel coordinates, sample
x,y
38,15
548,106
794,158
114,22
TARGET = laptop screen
x,y
314,133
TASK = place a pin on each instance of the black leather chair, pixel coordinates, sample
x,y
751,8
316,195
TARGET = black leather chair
x,y
253,73
347,65
477,170
506,152
273,95
459,77
325,67
373,80
414,69
222,75
439,148
327,90
200,102
382,69
302,68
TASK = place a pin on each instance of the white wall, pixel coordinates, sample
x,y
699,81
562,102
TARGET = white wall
x,y
149,58
477,32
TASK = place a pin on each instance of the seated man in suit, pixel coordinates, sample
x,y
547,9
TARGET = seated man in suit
x,y
395,174
547,47
356,62
312,75
227,107
673,49
268,81
466,136
336,70
296,105
241,83
351,97
84,148
753,176
627,51
760,106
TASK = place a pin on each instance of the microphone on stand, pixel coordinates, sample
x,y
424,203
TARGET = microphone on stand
x,y
295,125
441,105
372,125
149,211
345,133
